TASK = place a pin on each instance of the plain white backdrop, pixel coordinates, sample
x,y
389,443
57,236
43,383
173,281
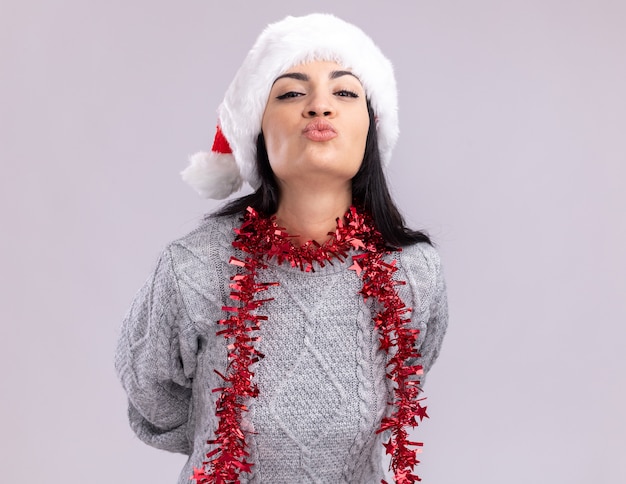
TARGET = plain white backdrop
x,y
512,155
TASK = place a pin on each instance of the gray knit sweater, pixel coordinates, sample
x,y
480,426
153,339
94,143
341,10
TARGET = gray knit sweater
x,y
322,382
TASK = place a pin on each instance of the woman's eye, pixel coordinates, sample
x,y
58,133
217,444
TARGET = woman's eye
x,y
289,94
346,93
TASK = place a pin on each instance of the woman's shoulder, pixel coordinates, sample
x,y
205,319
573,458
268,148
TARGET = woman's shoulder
x,y
421,253
422,261
198,263
213,234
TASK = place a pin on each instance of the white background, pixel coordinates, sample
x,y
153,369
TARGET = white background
x,y
512,154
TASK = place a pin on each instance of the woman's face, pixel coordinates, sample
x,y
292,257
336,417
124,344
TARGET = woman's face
x,y
315,124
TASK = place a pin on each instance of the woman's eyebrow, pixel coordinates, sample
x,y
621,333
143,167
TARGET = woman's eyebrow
x,y
300,76
293,75
336,74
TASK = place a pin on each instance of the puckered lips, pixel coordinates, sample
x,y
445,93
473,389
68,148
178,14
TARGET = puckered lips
x,y
319,130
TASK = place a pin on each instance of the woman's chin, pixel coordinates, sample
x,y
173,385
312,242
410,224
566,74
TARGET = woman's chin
x,y
331,168
320,178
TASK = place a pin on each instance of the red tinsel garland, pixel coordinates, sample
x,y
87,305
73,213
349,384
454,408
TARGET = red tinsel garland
x,y
263,240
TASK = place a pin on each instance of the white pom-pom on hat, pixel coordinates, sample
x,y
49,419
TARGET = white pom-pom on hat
x,y
215,174
282,45
212,175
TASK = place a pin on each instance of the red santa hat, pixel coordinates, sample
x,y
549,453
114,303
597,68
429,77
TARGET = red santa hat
x,y
282,45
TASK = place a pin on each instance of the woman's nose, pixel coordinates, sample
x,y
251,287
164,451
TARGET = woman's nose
x,y
319,105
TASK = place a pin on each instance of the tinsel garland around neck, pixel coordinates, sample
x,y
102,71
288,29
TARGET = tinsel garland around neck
x,y
263,240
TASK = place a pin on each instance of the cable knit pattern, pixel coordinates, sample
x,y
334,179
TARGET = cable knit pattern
x,y
323,390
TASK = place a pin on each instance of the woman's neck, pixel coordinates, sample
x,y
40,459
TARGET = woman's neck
x,y
311,214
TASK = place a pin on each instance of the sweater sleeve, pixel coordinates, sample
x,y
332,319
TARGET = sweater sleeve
x,y
428,287
437,320
155,361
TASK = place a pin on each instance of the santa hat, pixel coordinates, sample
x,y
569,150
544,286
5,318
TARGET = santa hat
x,y
282,45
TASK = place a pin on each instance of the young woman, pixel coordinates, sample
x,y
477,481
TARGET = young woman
x,y
287,338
